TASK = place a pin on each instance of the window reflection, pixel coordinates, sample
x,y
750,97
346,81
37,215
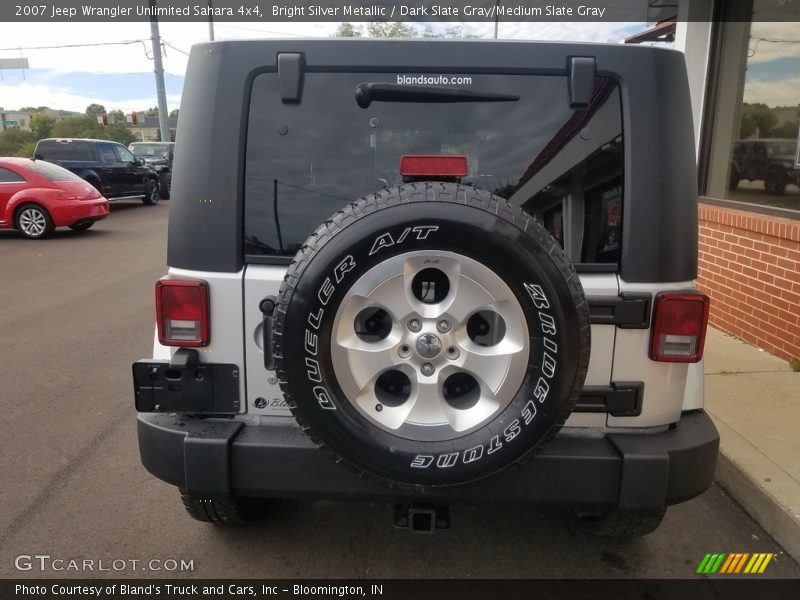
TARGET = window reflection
x,y
754,152
563,166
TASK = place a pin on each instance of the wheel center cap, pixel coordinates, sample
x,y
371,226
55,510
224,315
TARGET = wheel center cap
x,y
428,345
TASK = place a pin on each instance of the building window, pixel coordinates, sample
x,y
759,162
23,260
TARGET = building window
x,y
753,152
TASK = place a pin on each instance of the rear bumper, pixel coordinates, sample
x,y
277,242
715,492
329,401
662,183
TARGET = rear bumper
x,y
71,212
640,472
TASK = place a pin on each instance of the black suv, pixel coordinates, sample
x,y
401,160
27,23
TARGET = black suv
x,y
108,166
418,263
158,155
773,161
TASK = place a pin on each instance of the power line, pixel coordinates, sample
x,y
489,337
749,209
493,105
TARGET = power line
x,y
166,43
258,30
123,43
752,52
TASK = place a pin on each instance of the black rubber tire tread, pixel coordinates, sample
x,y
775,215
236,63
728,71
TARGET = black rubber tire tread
x,y
222,511
165,190
627,525
734,179
149,199
95,183
775,182
421,192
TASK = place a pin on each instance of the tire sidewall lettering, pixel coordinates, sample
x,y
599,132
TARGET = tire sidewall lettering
x,y
336,267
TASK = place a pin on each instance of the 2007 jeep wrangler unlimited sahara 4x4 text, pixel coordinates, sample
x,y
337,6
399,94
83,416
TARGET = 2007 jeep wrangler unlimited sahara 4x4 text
x,y
431,272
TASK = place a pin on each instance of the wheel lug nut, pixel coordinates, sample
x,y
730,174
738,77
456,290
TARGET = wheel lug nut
x,y
414,325
453,353
443,326
427,369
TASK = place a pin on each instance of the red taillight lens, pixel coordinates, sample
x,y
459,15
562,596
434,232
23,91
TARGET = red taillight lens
x,y
418,165
679,327
182,312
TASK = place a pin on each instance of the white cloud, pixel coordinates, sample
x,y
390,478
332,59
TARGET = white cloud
x,y
19,40
761,50
132,58
15,95
773,92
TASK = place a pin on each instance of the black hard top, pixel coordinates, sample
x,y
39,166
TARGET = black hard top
x,y
659,241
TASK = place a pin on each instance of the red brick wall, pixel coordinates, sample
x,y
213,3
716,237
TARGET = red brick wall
x,y
750,267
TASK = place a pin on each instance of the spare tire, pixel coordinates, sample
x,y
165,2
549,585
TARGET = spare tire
x,y
431,334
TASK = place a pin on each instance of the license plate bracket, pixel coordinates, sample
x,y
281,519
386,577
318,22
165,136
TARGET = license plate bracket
x,y
210,388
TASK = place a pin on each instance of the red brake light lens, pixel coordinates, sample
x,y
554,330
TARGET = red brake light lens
x,y
182,312
420,165
679,327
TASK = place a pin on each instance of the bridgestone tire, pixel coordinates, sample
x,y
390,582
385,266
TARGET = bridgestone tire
x,y
627,525
222,511
432,217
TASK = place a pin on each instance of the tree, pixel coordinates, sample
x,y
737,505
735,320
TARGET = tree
x,y
13,142
118,132
787,130
379,29
26,149
757,120
456,32
348,30
95,110
42,125
88,127
397,29
151,112
173,114
85,126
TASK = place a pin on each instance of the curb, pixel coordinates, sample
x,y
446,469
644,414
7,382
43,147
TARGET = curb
x,y
772,498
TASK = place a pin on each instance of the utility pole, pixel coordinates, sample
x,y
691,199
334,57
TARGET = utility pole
x,y
210,22
161,94
496,16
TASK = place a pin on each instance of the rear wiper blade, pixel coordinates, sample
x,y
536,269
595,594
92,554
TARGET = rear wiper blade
x,y
367,93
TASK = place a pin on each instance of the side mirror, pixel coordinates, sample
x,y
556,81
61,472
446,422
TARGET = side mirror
x,y
140,161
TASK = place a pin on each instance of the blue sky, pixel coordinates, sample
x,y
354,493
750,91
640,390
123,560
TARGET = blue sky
x,y
119,87
120,76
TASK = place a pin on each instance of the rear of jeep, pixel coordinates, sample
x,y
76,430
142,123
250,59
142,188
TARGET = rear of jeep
x,y
431,273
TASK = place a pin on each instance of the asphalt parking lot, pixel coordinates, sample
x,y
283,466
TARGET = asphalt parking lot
x,y
77,310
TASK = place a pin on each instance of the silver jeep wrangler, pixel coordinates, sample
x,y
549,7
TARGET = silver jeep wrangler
x,y
431,272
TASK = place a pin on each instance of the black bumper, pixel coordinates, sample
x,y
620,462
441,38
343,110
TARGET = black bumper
x,y
214,457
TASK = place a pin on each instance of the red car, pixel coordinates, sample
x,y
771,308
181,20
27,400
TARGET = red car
x,y
38,196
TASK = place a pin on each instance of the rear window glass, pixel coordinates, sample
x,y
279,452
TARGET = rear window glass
x,y
562,165
53,172
148,150
55,150
9,176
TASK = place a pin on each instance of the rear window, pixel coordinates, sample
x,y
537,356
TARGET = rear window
x,y
52,172
305,161
150,150
64,150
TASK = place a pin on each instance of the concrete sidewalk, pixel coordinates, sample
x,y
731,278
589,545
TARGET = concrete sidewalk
x,y
754,399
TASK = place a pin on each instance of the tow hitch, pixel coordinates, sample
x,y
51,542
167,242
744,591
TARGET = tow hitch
x,y
421,518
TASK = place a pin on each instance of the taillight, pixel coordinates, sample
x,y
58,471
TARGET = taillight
x,y
417,165
182,312
679,327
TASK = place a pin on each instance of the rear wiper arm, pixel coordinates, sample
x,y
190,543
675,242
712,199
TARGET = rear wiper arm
x,y
367,93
